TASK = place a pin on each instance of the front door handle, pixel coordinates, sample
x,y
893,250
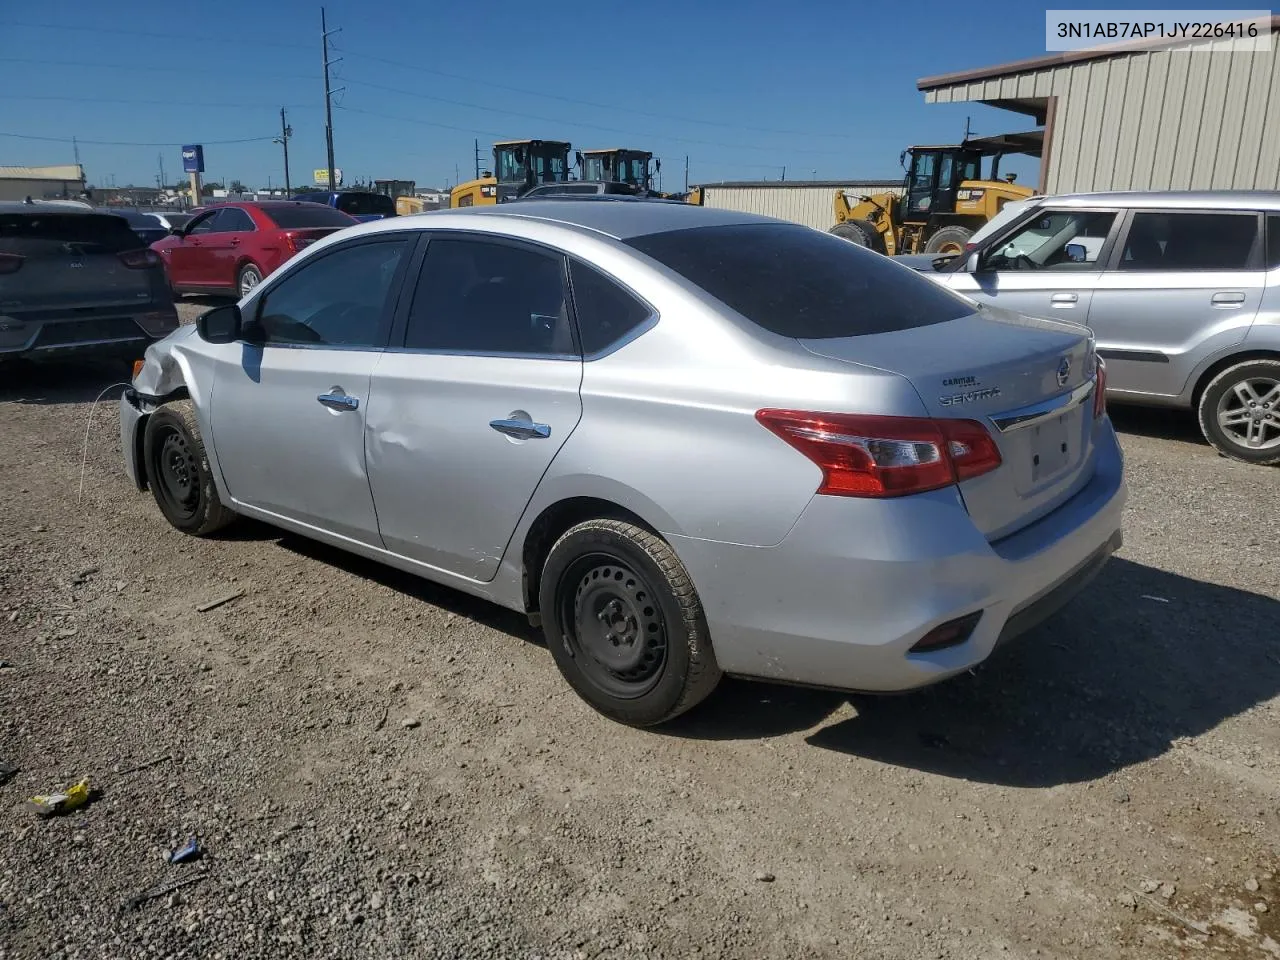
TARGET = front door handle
x,y
1063,299
522,429
339,401
1227,298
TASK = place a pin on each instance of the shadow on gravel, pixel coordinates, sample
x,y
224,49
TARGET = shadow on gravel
x,y
1161,423
62,381
481,611
1108,683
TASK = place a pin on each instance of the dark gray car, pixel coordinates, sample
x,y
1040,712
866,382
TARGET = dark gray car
x,y
74,279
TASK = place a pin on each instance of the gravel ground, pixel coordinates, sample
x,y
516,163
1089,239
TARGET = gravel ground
x,y
379,767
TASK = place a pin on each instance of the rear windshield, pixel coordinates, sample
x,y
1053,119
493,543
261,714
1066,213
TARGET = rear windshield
x,y
363,204
307,215
798,282
47,234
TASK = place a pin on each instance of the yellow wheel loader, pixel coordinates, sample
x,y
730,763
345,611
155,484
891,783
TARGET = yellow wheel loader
x,y
618,165
520,165
944,198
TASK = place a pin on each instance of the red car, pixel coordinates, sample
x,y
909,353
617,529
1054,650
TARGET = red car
x,y
231,247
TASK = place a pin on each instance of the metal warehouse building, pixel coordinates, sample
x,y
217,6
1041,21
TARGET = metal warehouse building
x,y
801,201
41,183
1141,115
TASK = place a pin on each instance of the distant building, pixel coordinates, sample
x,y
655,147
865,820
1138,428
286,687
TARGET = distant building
x,y
808,202
63,182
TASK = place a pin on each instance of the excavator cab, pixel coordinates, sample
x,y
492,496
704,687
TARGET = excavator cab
x,y
934,177
619,165
519,166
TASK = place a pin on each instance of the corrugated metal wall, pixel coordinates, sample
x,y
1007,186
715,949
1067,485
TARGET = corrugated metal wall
x,y
1170,119
810,205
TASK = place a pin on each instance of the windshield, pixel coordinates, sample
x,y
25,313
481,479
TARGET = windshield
x,y
54,234
549,168
363,204
510,170
634,170
798,282
307,215
593,168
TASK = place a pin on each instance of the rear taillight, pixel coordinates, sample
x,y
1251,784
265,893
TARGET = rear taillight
x,y
296,243
875,456
11,263
1100,389
142,259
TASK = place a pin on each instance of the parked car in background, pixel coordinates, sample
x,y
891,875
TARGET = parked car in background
x,y
172,221
583,188
231,247
688,441
75,279
147,228
931,262
1182,291
361,204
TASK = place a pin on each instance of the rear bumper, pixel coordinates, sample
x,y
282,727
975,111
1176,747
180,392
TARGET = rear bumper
x,y
856,583
75,332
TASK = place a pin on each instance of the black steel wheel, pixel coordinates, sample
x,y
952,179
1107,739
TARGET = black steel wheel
x,y
624,623
177,471
614,625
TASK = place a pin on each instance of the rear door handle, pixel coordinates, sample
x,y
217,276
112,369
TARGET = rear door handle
x,y
1228,298
234,241
522,429
339,401
1063,299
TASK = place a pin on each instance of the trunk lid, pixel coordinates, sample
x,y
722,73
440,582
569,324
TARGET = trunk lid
x,y
70,261
1027,380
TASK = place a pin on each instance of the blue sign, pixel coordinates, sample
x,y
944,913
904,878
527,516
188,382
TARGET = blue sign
x,y
193,158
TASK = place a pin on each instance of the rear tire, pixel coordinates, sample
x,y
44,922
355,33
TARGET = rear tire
x,y
861,232
247,279
624,623
178,473
948,240
1240,405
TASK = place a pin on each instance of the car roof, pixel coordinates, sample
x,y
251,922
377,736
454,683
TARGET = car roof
x,y
1174,199
17,206
615,215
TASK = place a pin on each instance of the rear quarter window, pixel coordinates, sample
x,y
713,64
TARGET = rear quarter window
x,y
307,215
49,234
798,282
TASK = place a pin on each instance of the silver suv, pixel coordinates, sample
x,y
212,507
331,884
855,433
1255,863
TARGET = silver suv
x,y
1182,291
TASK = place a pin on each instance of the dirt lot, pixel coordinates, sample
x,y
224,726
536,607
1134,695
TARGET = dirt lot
x,y
381,768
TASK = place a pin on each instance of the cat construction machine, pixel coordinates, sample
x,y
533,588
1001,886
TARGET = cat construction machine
x,y
619,165
519,165
944,198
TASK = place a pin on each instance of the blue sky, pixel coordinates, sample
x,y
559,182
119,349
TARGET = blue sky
x,y
825,88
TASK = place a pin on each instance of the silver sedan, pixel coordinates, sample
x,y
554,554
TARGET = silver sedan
x,y
688,442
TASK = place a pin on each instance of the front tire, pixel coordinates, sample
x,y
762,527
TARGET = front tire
x,y
178,473
861,232
247,279
1240,412
624,623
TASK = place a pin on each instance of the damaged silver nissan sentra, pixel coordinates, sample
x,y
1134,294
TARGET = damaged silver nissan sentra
x,y
689,442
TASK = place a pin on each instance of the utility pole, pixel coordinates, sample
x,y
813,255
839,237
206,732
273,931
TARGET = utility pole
x,y
328,95
160,160
784,173
477,146
686,173
286,132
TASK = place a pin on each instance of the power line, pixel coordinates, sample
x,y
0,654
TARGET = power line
x,y
152,69
61,27
578,123
130,143
153,103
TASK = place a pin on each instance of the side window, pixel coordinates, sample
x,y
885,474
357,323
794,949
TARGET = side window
x,y
1273,241
234,220
606,312
479,297
205,223
338,299
1054,240
1190,241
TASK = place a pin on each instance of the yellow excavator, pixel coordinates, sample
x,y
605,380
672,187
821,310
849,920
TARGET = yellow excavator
x,y
944,199
519,166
